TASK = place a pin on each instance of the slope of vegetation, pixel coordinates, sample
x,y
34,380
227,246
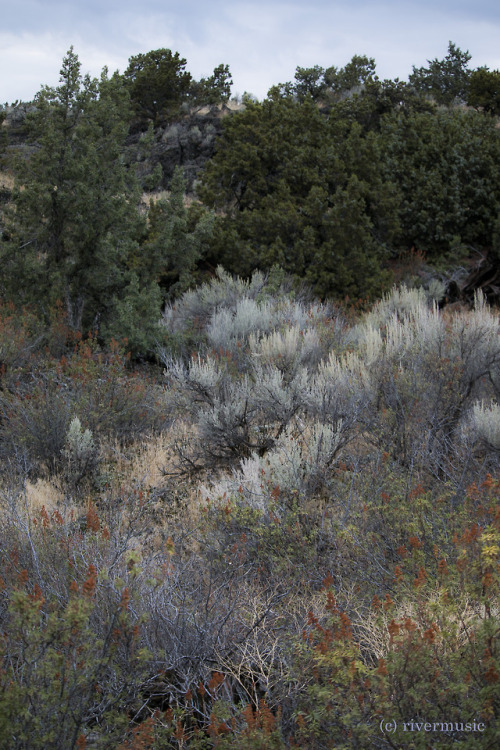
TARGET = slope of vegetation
x,y
243,511
288,537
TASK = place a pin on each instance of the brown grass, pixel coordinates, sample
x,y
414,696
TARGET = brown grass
x,y
6,180
41,494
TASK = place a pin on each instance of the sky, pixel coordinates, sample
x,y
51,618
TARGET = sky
x,y
262,41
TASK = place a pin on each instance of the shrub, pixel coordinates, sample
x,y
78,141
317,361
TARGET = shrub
x,y
297,466
426,651
100,625
91,384
224,312
80,452
426,369
243,394
486,424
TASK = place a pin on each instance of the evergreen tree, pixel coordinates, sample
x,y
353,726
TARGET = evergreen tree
x,y
158,83
216,89
447,166
356,74
135,317
484,90
177,240
292,183
445,80
75,222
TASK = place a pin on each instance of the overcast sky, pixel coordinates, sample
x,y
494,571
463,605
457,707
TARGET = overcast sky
x,y
262,42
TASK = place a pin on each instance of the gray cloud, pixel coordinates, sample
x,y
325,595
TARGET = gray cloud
x,y
262,42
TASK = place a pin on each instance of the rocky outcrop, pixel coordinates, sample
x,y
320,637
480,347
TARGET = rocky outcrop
x,y
14,123
483,274
188,142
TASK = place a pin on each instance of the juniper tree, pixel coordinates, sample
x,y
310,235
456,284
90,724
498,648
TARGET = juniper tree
x,y
446,80
76,221
446,166
484,90
216,89
302,191
176,241
158,83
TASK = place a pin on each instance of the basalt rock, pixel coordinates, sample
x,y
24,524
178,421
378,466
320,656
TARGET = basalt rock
x,y
188,142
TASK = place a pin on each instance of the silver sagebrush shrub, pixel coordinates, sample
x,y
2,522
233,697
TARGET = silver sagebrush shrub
x,y
485,423
80,452
298,465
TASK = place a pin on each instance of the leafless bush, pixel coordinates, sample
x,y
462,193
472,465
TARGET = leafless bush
x,y
157,622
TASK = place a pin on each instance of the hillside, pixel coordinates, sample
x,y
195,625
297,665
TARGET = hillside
x,y
339,178
288,535
249,411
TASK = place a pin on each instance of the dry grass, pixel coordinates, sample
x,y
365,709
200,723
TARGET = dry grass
x,y
149,464
141,464
6,180
43,494
162,195
157,195
372,628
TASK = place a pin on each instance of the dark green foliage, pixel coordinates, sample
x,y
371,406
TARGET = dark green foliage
x,y
177,240
216,89
349,259
293,184
357,73
330,84
75,221
158,84
445,80
495,250
135,316
309,82
484,90
368,105
447,167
